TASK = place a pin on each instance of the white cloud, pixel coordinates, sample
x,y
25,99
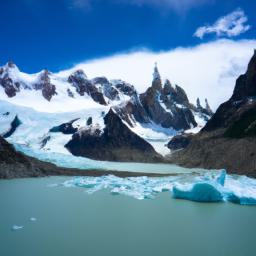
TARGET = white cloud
x,y
230,25
207,70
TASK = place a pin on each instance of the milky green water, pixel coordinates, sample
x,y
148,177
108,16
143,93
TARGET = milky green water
x,y
71,222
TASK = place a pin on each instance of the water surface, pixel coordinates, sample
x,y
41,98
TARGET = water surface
x,y
71,222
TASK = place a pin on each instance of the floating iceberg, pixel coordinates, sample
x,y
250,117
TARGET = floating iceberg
x,y
15,227
213,186
137,187
241,190
202,191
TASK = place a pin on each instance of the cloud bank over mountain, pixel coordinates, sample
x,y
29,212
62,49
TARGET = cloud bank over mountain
x,y
207,70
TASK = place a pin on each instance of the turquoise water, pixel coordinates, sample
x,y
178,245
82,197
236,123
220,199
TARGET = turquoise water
x,y
71,222
71,161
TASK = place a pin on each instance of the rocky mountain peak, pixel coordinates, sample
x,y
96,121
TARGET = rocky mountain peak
x,y
78,74
168,89
8,79
246,84
44,84
9,68
237,113
181,96
208,108
45,75
11,64
100,80
156,83
198,104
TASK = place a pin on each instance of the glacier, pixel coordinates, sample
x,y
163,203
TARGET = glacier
x,y
213,186
83,163
36,125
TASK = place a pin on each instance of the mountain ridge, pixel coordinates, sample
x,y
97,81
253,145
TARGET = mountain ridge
x,y
162,110
228,139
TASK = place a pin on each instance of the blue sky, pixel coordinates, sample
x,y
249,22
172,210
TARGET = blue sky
x,y
56,34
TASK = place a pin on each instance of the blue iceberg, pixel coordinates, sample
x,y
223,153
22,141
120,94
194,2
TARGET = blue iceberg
x,y
202,191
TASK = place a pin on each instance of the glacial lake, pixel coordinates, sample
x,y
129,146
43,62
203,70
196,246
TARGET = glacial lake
x,y
72,222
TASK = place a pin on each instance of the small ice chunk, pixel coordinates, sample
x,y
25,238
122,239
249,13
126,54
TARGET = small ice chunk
x,y
221,179
16,227
243,200
33,219
200,192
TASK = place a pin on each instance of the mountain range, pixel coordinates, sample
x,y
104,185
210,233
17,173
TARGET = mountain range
x,y
105,119
95,118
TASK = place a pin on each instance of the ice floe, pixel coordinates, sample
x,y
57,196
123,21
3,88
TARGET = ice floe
x,y
15,227
207,190
213,186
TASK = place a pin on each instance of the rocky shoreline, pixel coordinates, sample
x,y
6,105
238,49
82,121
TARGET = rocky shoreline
x,y
15,164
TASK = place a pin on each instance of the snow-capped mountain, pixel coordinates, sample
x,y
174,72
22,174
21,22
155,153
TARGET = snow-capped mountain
x,y
48,111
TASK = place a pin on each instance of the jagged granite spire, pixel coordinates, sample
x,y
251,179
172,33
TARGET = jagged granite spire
x,y
208,108
198,104
156,83
156,75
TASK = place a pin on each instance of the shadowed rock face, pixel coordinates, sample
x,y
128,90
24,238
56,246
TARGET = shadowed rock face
x,y
65,128
14,164
242,101
166,105
14,125
175,114
44,84
228,139
10,87
133,111
79,80
115,143
179,142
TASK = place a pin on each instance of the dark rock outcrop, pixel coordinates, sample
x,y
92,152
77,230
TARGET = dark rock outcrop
x,y
125,88
179,142
79,80
14,164
228,139
14,125
115,143
89,121
70,93
10,86
44,84
168,106
132,111
66,128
